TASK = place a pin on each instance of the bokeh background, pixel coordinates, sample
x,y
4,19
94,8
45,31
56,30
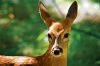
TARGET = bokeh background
x,y
22,31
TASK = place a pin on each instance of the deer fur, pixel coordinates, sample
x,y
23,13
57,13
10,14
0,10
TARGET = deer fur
x,y
58,36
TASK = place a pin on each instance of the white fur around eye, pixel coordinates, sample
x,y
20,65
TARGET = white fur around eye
x,y
65,39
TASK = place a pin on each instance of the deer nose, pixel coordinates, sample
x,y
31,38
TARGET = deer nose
x,y
57,51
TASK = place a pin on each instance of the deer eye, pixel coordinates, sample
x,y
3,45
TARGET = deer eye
x,y
66,35
49,36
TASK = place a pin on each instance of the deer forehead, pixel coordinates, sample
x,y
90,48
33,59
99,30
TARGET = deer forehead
x,y
56,29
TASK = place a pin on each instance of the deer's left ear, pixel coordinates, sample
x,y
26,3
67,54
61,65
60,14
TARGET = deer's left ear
x,y
72,14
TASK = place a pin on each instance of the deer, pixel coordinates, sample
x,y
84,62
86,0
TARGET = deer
x,y
58,37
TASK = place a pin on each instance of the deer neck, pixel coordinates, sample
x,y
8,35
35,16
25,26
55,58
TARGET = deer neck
x,y
49,60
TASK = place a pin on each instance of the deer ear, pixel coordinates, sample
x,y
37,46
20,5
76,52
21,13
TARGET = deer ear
x,y
44,15
72,12
71,15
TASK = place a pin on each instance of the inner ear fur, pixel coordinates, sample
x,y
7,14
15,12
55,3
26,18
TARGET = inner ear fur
x,y
71,15
48,20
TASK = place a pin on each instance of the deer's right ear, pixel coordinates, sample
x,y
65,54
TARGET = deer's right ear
x,y
45,16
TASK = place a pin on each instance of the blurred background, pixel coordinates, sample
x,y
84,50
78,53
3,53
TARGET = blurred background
x,y
22,31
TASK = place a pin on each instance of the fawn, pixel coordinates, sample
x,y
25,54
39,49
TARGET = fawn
x,y
58,36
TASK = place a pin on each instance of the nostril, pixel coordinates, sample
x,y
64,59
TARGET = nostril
x,y
56,52
61,50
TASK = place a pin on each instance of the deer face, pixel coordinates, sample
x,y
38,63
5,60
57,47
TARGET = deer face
x,y
57,35
58,32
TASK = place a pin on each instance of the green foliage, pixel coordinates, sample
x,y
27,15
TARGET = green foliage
x,y
19,36
22,32
96,1
84,44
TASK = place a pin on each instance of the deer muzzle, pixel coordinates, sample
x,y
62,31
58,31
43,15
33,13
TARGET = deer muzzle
x,y
56,51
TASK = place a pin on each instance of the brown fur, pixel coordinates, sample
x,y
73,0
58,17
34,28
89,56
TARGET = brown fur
x,y
56,29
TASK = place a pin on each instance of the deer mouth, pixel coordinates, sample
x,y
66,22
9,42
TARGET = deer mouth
x,y
56,51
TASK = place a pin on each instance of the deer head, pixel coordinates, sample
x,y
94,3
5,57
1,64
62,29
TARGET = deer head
x,y
58,32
